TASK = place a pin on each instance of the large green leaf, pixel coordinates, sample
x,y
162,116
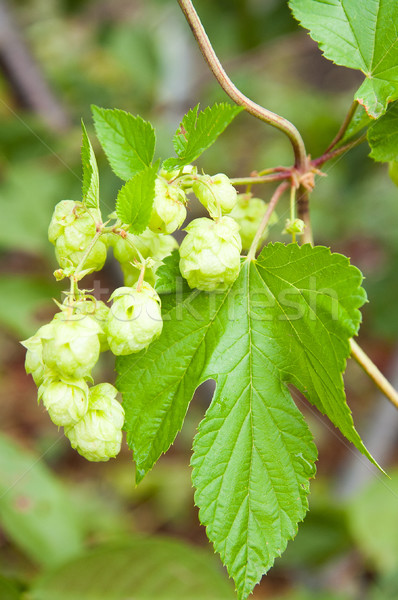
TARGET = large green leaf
x,y
383,136
358,35
198,130
135,199
142,569
286,320
35,511
128,141
90,188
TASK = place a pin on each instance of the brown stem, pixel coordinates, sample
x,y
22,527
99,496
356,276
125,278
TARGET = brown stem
x,y
260,179
236,95
303,213
373,372
318,162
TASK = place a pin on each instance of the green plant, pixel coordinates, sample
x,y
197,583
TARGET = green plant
x,y
254,324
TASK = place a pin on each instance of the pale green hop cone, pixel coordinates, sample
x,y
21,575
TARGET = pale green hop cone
x,y
98,435
71,230
168,211
96,309
65,400
134,320
34,364
216,193
210,253
248,213
71,345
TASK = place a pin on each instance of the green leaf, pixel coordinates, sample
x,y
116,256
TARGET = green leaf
x,y
35,511
198,131
90,188
128,141
142,569
168,276
135,199
286,320
358,35
383,136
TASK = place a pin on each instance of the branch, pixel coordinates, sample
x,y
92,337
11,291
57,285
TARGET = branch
x,y
260,178
373,372
236,95
318,162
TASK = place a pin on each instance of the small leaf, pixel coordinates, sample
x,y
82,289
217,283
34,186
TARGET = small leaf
x,y
90,188
128,141
198,131
358,35
168,276
286,320
135,199
141,569
383,136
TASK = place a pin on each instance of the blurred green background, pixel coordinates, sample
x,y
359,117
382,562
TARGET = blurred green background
x,y
74,530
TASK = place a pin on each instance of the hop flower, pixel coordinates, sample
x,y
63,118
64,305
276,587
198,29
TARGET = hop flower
x,y
71,346
154,245
134,320
34,355
215,193
248,213
148,244
98,435
65,400
210,253
168,212
71,230
96,309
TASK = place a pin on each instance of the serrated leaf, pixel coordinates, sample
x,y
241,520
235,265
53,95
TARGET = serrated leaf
x,y
128,141
286,320
198,130
168,275
90,188
135,199
383,136
141,569
358,35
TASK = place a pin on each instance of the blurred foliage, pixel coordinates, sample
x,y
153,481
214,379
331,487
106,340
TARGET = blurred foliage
x,y
139,56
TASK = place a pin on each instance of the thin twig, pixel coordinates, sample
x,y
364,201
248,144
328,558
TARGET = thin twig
x,y
318,162
236,95
260,179
344,126
271,206
373,372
